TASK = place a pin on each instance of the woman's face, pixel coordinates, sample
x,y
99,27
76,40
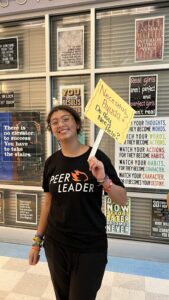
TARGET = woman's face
x,y
63,125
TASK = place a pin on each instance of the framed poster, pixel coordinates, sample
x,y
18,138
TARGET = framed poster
x,y
1,207
26,208
143,160
20,146
117,217
9,60
143,94
73,95
70,48
160,219
149,39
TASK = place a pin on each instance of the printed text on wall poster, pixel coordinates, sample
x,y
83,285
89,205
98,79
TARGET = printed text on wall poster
x,y
73,95
160,219
143,160
149,39
143,94
70,48
117,217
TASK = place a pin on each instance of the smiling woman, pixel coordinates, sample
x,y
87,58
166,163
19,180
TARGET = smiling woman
x,y
72,223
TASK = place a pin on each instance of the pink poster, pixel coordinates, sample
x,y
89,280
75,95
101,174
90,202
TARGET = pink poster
x,y
149,39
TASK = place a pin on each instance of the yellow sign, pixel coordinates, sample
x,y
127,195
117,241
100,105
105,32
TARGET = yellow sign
x,y
109,112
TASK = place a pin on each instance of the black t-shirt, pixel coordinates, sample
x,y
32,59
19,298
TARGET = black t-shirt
x,y
75,220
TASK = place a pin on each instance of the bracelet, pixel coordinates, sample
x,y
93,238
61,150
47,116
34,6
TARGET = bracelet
x,y
106,177
37,241
108,187
36,248
39,236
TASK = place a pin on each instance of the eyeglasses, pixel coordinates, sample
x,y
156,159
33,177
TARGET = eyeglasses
x,y
64,120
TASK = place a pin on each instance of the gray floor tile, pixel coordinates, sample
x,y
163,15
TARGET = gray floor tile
x,y
129,281
150,296
33,285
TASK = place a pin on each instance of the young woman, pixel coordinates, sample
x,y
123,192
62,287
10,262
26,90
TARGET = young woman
x,y
71,221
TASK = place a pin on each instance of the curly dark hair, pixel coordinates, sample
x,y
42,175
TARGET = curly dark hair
x,y
70,110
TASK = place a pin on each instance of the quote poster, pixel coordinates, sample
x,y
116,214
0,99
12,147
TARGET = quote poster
x,y
7,99
70,48
160,219
73,95
117,217
143,160
20,145
143,94
1,207
9,54
26,210
149,39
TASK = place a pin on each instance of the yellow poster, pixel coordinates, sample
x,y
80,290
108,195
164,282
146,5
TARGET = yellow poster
x,y
109,112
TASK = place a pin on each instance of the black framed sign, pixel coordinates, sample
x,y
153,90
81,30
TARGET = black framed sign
x,y
9,54
117,217
160,219
26,208
7,99
143,94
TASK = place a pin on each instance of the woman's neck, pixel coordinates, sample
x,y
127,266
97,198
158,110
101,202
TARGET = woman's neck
x,y
73,149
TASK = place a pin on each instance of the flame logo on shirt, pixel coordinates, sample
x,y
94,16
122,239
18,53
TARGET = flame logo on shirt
x,y
79,176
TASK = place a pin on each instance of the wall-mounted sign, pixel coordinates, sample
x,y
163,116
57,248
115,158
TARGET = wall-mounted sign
x,y
143,160
26,208
9,54
1,207
143,94
70,48
117,217
160,219
7,99
73,95
149,39
20,145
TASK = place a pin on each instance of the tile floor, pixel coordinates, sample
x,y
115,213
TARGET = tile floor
x,y
19,281
125,278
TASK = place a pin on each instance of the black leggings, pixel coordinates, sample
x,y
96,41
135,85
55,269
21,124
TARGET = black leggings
x,y
75,276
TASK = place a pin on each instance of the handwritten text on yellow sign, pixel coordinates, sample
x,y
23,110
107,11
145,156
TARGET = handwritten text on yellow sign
x,y
109,112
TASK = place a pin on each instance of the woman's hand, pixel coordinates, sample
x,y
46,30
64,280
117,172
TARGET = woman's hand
x,y
34,256
97,168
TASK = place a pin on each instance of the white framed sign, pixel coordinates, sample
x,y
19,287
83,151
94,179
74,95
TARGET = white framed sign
x,y
70,48
143,160
149,39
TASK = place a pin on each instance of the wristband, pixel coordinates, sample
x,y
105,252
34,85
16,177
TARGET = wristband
x,y
106,177
39,236
108,186
35,248
37,241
